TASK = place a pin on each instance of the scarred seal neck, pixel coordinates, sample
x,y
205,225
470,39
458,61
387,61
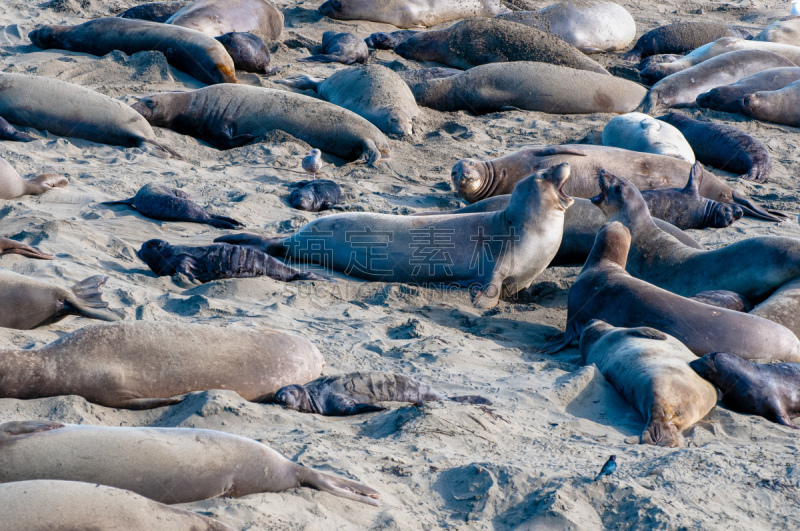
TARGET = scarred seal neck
x,y
612,244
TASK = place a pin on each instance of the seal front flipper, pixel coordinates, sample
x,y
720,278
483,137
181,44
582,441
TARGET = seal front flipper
x,y
343,488
340,405
554,346
45,182
144,403
188,267
88,300
25,427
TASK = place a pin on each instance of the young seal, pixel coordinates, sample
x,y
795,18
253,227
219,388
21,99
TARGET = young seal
x,y
724,147
14,247
213,18
680,37
356,392
157,201
190,51
7,132
728,98
638,132
771,390
144,364
783,306
475,42
784,31
604,290
410,13
42,504
343,48
649,369
776,106
27,303
388,41
248,52
168,465
13,186
215,262
494,254
154,11
315,196
229,116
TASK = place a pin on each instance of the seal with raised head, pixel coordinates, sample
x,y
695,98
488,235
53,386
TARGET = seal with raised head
x,y
776,106
771,390
168,465
315,195
388,41
639,132
8,246
357,392
216,18
680,37
154,11
649,369
12,185
344,48
144,364
728,98
248,52
7,132
410,13
784,31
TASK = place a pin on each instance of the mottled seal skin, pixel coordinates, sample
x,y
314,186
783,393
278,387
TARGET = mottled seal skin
x,y
475,42
649,369
419,76
728,98
776,106
639,132
215,18
248,52
410,13
770,390
604,290
724,147
168,465
27,303
783,306
388,41
7,132
316,195
680,37
343,48
157,201
42,504
217,261
154,11
725,299
8,246
357,392
784,31
12,185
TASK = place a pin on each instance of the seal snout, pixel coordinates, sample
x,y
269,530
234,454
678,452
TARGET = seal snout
x,y
466,179
603,183
559,175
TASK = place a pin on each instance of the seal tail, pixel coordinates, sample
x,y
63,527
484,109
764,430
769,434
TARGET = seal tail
x,y
471,399
754,211
167,149
304,82
224,222
89,300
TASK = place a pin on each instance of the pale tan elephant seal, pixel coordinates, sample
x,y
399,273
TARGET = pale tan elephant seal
x,y
776,106
410,13
783,306
12,185
783,31
216,18
639,132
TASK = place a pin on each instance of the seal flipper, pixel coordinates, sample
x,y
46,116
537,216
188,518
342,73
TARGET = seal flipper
x,y
322,58
8,246
471,399
88,300
695,179
162,147
784,419
341,405
755,211
554,346
128,202
26,427
146,403
224,222
8,132
47,181
343,488
187,266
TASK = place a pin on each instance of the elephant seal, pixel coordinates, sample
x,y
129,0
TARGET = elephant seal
x,y
213,18
388,41
13,186
371,91
680,37
776,106
475,180
43,504
592,26
356,392
649,369
343,48
415,77
494,254
315,196
477,41
248,52
529,86
410,13
7,132
783,31
638,132
229,116
77,112
157,201
215,262
724,147
168,465
8,246
144,365
783,306
769,390
604,290
154,11
728,98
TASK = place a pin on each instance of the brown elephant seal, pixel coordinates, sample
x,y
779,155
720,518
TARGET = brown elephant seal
x,y
771,390
639,132
475,180
8,246
371,91
190,51
388,41
728,98
604,290
213,18
168,465
410,13
776,106
783,306
343,48
154,11
357,392
650,370
680,37
7,132
27,303
724,147
77,112
248,52
784,31
229,116
529,86
13,186
478,41
315,195
494,254
42,504
143,365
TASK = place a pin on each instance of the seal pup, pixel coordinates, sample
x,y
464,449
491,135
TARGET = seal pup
x,y
213,18
145,364
783,306
388,41
728,98
724,147
640,132
474,42
494,254
784,31
12,185
8,246
770,390
650,370
410,13
215,262
776,106
7,132
42,504
312,163
604,290
168,465
357,392
154,11
27,303
229,116
315,196
158,201
343,48
680,37
248,52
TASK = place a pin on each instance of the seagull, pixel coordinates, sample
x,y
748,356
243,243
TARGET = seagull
x,y
796,7
608,468
312,162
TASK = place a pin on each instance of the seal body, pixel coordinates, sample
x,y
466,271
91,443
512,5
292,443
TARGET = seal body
x,y
783,306
650,370
154,11
638,132
248,52
410,13
784,31
388,41
13,186
776,106
343,48
213,18
728,98
315,195
680,37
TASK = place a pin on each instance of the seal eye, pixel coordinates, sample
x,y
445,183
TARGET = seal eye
x,y
472,163
150,104
617,189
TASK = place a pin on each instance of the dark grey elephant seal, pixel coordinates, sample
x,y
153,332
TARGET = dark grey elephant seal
x,y
12,185
476,42
214,18
388,41
43,504
316,195
343,48
157,201
728,98
8,246
410,13
771,390
168,465
154,11
724,147
7,132
248,52
357,392
680,37
144,365
776,106
215,262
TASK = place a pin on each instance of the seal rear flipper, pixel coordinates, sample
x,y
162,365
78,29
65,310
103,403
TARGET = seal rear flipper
x,y
162,147
8,246
755,211
342,406
128,202
224,222
89,301
25,427
271,246
145,403
471,399
304,82
343,488
321,58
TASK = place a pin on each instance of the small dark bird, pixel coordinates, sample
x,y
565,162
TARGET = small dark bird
x,y
608,468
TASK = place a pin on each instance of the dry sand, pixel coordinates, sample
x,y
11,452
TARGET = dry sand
x,y
529,464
